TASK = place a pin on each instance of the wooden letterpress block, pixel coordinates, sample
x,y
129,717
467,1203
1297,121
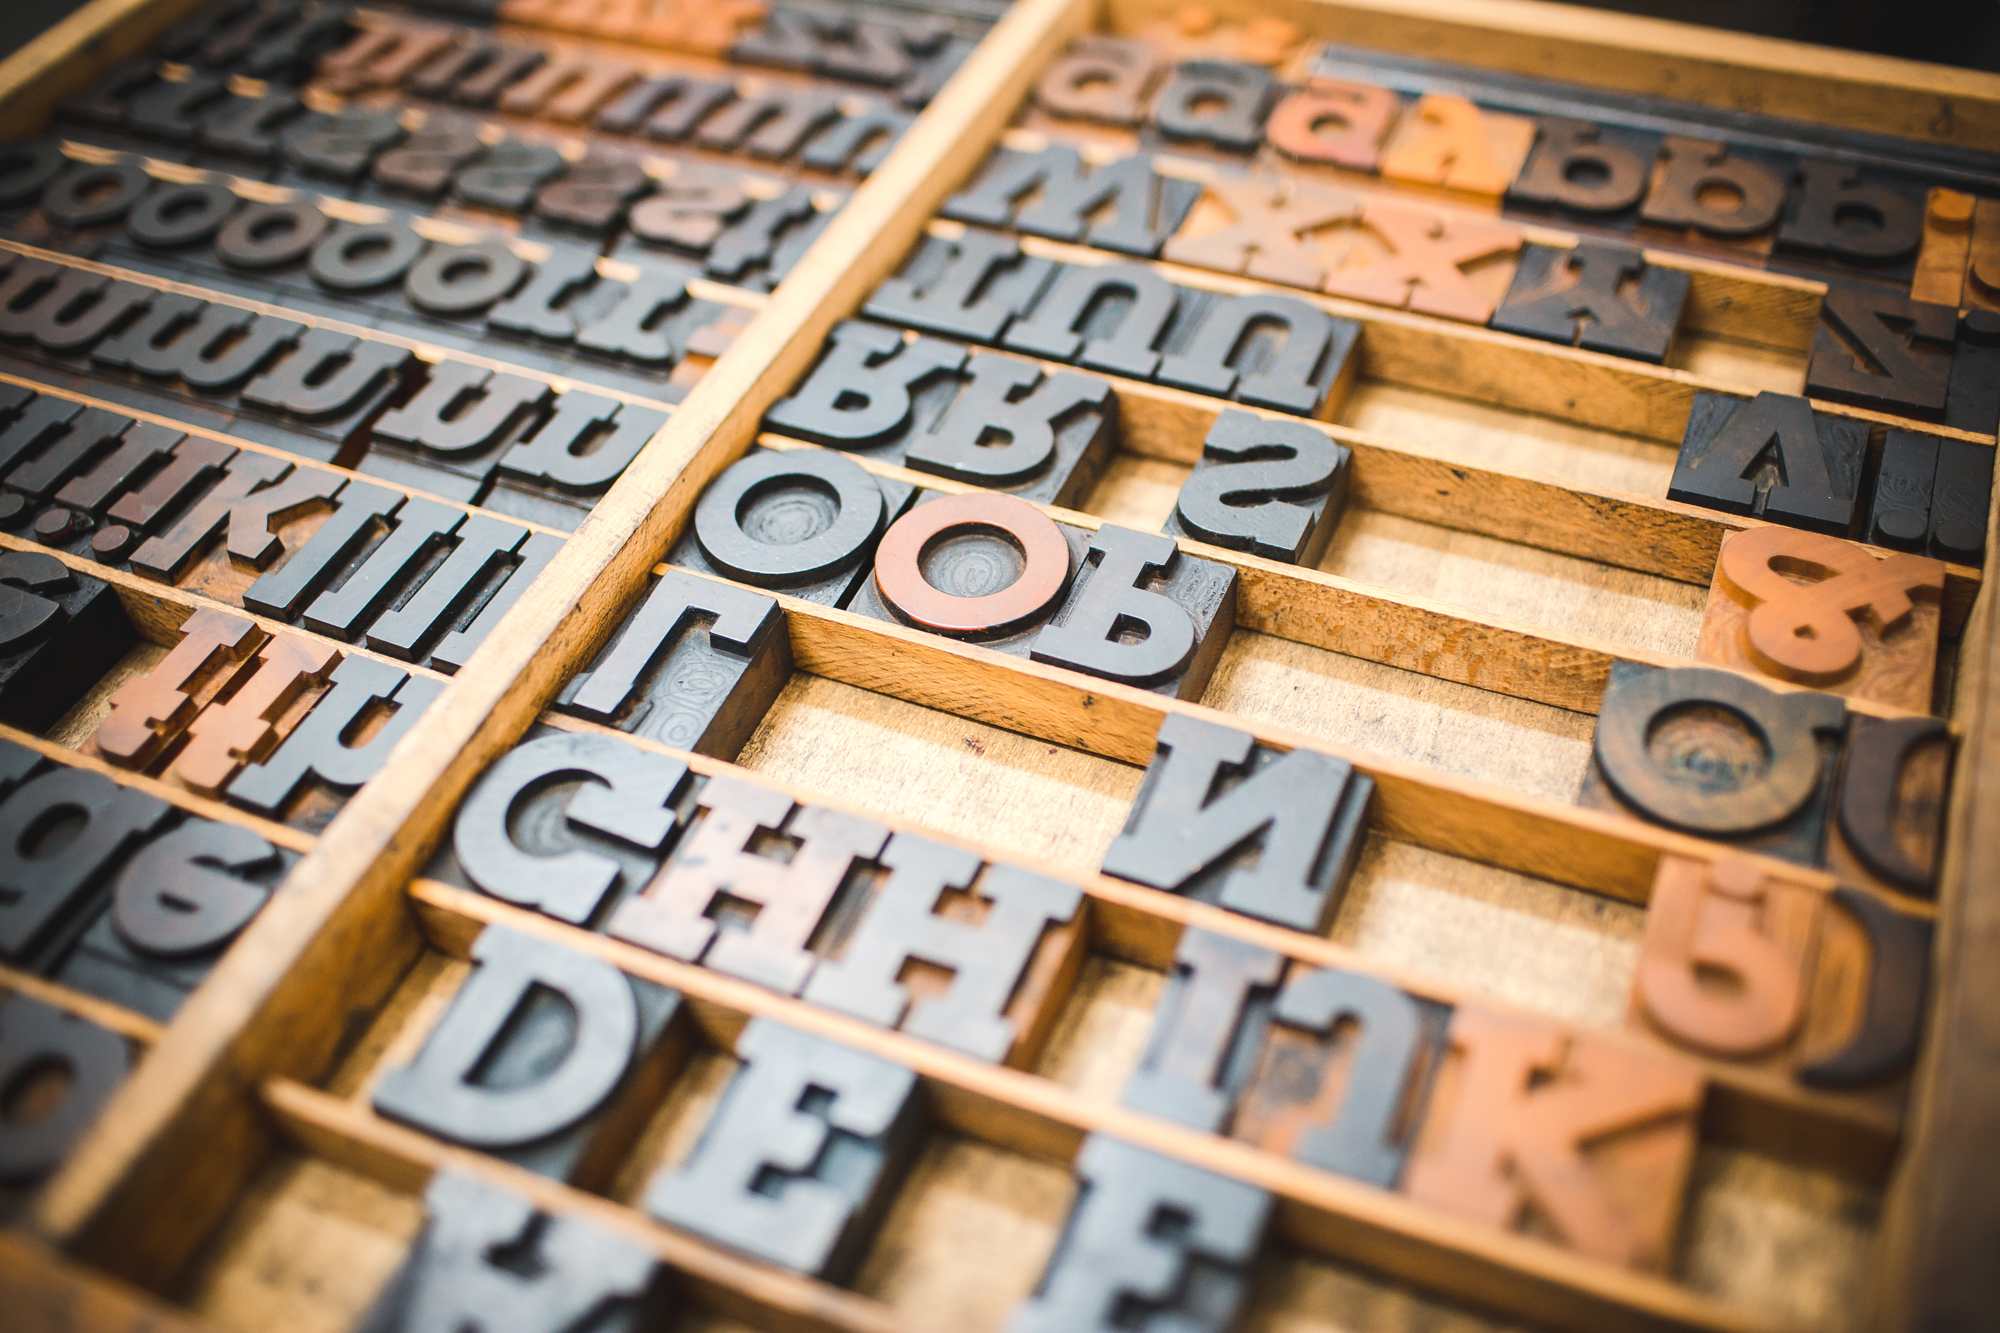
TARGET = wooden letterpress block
x,y
425,164
1188,606
217,701
696,665
1434,264
800,522
1102,79
1900,512
1117,318
1344,1074
976,957
323,391
488,1259
859,140
176,905
1273,488
545,1057
1947,249
759,247
1584,1137
1895,780
568,86
1820,611
1333,122
1706,187
337,146
62,1069
554,474
1882,350
1577,167
246,128
1959,498
567,823
497,568
592,193
1772,456
726,900
1599,296
507,175
1271,834
1446,142
1269,227
1263,349
801,1156
1215,103
1738,966
1150,1242
1207,1030
1122,205
46,883
1972,396
60,632
972,287
448,437
341,743
248,507
383,55
986,568
1837,211
1715,754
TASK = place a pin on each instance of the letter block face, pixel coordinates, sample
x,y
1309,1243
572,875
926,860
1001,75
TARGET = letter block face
x,y
975,956
487,1260
801,1155
546,1057
1895,785
695,665
992,421
1715,754
175,905
803,524
1344,1075
568,824
1150,1243
1272,488
1828,988
1270,834
1819,611
1187,604
1775,457
59,1070
1585,1139
1599,296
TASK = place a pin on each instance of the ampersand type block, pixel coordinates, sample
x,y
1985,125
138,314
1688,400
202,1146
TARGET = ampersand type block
x,y
1828,613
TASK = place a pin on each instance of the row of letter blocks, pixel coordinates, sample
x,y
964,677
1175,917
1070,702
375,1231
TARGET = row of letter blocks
x,y
744,227
1814,208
